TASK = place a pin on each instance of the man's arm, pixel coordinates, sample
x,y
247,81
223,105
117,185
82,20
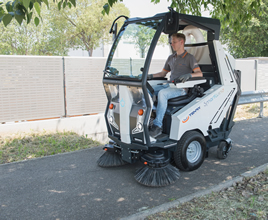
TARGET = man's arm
x,y
163,73
197,72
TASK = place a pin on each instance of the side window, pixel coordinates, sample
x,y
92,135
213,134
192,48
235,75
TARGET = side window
x,y
161,53
195,35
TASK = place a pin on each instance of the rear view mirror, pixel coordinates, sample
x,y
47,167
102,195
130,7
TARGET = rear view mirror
x,y
114,31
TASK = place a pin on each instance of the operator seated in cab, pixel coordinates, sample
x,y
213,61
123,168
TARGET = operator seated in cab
x,y
183,66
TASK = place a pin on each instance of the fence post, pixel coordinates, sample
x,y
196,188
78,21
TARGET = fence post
x,y
64,88
261,110
256,74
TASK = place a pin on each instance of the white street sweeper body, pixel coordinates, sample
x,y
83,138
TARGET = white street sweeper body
x,y
192,124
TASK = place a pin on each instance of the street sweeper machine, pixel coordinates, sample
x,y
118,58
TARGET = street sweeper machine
x,y
193,123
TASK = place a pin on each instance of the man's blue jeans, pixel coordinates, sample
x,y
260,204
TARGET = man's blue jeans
x,y
164,93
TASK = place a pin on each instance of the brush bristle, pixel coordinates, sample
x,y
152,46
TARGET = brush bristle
x,y
157,177
110,159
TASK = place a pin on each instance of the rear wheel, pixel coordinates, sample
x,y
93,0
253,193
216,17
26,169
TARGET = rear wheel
x,y
223,150
190,151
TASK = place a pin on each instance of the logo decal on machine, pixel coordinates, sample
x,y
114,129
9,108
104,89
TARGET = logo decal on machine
x,y
190,115
206,103
122,103
185,120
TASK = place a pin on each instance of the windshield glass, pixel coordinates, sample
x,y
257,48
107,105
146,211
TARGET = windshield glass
x,y
130,50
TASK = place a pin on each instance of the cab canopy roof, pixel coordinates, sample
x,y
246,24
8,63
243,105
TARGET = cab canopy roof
x,y
175,21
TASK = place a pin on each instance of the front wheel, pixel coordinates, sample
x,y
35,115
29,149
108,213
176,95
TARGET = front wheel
x,y
190,151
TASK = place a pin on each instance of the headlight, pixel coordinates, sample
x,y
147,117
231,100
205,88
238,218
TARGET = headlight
x,y
139,126
111,119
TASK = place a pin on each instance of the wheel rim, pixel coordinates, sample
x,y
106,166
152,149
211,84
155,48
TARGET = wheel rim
x,y
193,151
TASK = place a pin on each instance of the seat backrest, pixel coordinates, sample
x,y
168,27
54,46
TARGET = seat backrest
x,y
194,92
208,73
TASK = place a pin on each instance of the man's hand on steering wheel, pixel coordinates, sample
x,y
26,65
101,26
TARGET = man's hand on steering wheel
x,y
150,76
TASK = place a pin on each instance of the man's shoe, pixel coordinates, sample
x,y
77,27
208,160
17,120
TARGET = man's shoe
x,y
151,123
155,131
151,120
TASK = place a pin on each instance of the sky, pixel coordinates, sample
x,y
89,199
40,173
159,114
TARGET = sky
x,y
144,8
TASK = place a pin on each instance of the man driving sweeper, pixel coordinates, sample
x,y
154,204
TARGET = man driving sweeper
x,y
183,66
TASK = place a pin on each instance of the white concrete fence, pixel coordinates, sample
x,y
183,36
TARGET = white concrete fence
x,y
57,88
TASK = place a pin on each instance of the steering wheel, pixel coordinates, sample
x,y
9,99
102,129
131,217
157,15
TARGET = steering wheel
x,y
112,71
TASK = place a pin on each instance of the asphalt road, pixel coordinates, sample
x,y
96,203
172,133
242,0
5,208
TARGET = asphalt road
x,y
72,186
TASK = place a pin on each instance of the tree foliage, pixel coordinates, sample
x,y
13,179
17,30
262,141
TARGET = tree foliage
x,y
27,10
86,26
141,36
251,40
82,26
46,39
228,11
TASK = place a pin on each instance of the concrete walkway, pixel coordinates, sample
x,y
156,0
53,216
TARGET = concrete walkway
x,y
72,186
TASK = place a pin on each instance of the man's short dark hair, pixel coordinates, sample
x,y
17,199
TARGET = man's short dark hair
x,y
179,36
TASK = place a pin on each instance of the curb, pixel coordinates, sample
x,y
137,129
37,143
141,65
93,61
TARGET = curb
x,y
219,187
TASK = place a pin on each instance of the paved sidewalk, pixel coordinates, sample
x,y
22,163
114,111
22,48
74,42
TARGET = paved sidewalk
x,y
72,186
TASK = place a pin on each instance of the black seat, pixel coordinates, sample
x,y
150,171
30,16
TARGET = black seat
x,y
194,92
210,74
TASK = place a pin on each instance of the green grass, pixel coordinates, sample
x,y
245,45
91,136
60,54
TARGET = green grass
x,y
17,147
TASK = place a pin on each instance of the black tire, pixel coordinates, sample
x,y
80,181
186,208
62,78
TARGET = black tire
x,y
222,150
189,161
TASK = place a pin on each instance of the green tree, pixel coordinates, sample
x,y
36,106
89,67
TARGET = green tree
x,y
143,39
82,26
46,39
86,26
141,36
27,10
228,11
251,40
